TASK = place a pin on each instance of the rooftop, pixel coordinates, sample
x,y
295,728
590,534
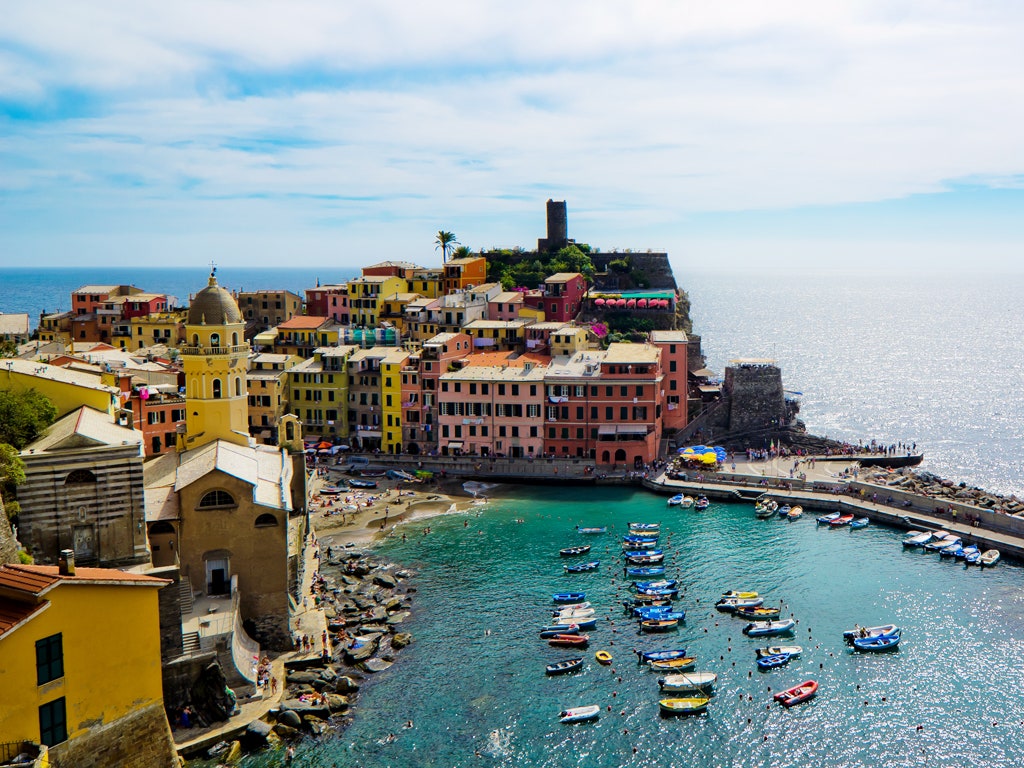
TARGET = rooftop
x,y
88,426
37,580
563,277
304,323
97,288
14,324
55,373
669,337
616,354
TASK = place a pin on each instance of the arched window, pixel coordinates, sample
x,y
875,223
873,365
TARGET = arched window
x,y
266,521
161,526
234,339
238,387
79,476
195,339
214,339
216,389
217,498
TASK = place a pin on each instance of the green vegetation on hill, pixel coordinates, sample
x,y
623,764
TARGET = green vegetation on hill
x,y
23,416
514,268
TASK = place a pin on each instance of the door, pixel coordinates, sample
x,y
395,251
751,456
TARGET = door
x,y
218,578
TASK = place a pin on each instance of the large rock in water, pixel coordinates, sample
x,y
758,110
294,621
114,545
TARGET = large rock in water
x,y
365,650
256,735
346,684
290,718
401,640
386,580
375,665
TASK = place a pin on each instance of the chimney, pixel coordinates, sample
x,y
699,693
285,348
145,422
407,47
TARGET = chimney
x,y
66,562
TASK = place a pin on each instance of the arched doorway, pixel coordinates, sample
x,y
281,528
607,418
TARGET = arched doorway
x,y
620,455
163,543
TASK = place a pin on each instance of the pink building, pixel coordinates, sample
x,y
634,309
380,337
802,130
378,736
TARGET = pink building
x,y
561,298
505,306
437,355
328,301
673,346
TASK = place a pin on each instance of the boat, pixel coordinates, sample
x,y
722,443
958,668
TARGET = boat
x,y
701,504
640,586
659,612
878,643
638,539
654,570
674,665
554,630
575,613
643,553
973,559
687,502
764,512
579,714
687,681
647,600
732,604
772,650
670,593
841,520
989,558
685,706
765,628
644,526
757,614
784,510
797,694
795,513
330,490
561,667
916,538
582,567
860,522
658,625
570,640
862,632
937,545
677,500
573,607
355,483
773,661
591,531
965,551
603,657
955,549
570,551
646,657
584,622
826,519
645,559
740,595
568,597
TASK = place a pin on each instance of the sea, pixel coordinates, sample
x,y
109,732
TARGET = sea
x,y
926,359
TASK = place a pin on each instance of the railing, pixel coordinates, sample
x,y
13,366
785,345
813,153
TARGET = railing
x,y
239,349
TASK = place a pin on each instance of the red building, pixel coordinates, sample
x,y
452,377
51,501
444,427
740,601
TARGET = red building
x,y
328,301
673,346
562,297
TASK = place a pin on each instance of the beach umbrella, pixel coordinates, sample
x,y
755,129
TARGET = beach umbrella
x,y
631,303
599,302
642,303
323,446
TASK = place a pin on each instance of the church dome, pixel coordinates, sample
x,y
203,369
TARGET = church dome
x,y
214,306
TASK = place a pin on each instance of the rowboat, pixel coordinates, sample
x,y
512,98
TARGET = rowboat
x,y
586,622
330,490
603,657
688,706
687,681
643,553
644,526
701,504
578,611
659,612
795,513
973,559
602,529
640,586
568,597
771,650
879,643
579,714
561,667
674,665
860,522
826,519
841,520
582,567
764,512
573,607
773,661
639,539
937,545
650,656
570,640
654,570
570,551
670,593
758,614
784,510
862,632
740,595
797,694
353,483
554,630
765,628
955,549
647,600
676,500
916,538
645,559
731,604
658,625
989,557
965,551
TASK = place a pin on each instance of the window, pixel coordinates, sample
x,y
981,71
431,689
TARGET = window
x,y
216,389
218,498
533,431
266,521
515,431
624,391
639,391
609,413
80,476
49,659
238,387
53,723
214,339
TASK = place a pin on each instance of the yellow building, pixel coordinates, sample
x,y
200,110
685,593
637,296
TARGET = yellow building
x,y
318,392
68,390
391,399
392,308
80,664
267,383
427,282
365,296
304,333
167,328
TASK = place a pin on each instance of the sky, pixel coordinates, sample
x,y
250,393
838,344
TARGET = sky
x,y
732,134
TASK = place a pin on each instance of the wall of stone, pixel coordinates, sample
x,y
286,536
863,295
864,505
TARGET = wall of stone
x,y
140,740
655,266
179,675
756,397
8,544
169,598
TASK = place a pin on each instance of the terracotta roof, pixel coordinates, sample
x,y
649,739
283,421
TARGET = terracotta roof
x,y
303,322
24,578
14,612
38,579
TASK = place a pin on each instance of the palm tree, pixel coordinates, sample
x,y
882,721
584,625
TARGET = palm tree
x,y
445,241
462,252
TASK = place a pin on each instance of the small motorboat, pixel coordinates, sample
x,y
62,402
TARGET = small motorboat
x,y
916,538
686,706
603,657
732,604
579,610
766,628
841,521
938,545
772,650
645,559
795,513
582,567
877,643
668,593
646,657
640,586
797,694
659,612
989,558
573,607
860,522
569,640
965,551
568,597
658,625
701,504
355,483
586,622
579,714
554,630
654,570
784,510
687,502
674,665
863,632
973,559
647,600
773,661
740,595
764,512
953,550
826,519
642,553
676,500
571,551
757,614
644,526
561,667
572,618
687,681
592,531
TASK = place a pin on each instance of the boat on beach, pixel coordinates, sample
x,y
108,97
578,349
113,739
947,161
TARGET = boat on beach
x,y
354,483
561,667
989,558
766,628
684,706
572,551
687,681
797,694
579,714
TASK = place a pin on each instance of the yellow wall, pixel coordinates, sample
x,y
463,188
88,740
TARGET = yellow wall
x,y
111,641
369,315
209,418
391,372
66,397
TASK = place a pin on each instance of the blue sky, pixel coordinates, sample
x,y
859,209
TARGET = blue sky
x,y
731,134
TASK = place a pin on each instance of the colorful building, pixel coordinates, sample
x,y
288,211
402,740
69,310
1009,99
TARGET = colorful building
x,y
266,309
328,301
366,293
674,352
463,273
304,333
318,392
68,390
267,385
438,355
391,366
561,298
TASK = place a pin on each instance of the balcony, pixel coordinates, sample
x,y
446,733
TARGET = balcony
x,y
239,349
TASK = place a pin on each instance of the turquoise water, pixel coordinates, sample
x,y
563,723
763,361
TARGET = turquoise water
x,y
957,673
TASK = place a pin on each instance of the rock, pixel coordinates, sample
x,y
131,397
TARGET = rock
x,y
336,702
401,640
329,674
375,665
345,684
303,677
289,718
398,618
287,731
364,650
386,580
308,709
255,735
403,574
394,604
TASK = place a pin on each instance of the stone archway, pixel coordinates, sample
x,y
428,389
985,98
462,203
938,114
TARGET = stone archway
x,y
163,543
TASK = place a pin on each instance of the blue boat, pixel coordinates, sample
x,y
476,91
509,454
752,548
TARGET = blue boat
x,y
646,600
860,522
569,597
645,559
676,500
651,570
963,553
592,530
639,539
773,661
784,510
665,615
645,611
766,628
643,553
644,526
877,643
646,657
973,559
582,567
952,550
664,592
559,629
640,586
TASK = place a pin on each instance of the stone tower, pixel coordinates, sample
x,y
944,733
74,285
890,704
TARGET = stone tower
x,y
215,357
558,228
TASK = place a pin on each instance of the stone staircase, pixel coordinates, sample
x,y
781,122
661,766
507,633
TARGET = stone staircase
x,y
185,595
190,642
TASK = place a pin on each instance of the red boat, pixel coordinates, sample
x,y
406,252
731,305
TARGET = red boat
x,y
797,694
577,640
842,520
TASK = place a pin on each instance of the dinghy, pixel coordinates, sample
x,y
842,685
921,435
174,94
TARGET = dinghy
x,y
659,612
579,714
634,540
582,567
757,614
795,513
687,681
561,667
674,665
592,531
687,706
701,504
965,551
554,630
603,657
568,597
841,520
649,656
973,559
687,502
645,559
578,611
658,625
989,558
653,570
740,595
631,553
862,632
766,628
640,586
826,519
916,538
773,661
644,526
797,694
878,643
571,551
732,604
860,522
772,650
764,512
569,640
676,500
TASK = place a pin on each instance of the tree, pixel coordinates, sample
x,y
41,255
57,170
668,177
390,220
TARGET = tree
x,y
23,416
462,252
445,241
12,474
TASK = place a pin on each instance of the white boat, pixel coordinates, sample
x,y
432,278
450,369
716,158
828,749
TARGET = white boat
x,y
775,650
795,513
989,557
573,607
687,502
916,539
733,604
763,628
579,714
826,519
583,613
862,632
937,545
688,681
